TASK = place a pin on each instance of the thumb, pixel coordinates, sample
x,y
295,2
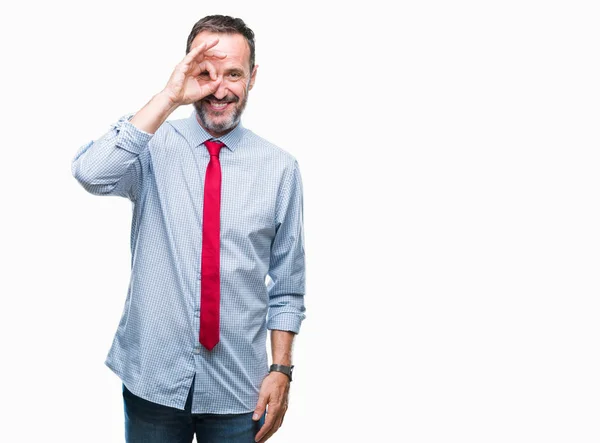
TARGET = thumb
x,y
260,408
210,88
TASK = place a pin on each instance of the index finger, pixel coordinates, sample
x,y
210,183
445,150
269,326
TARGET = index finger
x,y
202,47
266,427
212,43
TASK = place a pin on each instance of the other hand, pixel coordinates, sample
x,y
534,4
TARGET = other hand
x,y
274,392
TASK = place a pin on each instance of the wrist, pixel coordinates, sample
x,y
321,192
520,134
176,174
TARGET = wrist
x,y
165,102
154,113
279,375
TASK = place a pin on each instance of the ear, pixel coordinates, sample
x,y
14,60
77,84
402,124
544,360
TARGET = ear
x,y
253,77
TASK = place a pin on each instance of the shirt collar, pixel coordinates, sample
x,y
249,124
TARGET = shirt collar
x,y
196,135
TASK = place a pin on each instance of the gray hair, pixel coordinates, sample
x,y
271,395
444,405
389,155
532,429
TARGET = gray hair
x,y
226,25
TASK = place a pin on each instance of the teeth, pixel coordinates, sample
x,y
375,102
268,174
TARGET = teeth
x,y
219,105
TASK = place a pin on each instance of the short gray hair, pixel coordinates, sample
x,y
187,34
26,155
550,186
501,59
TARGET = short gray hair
x,y
226,25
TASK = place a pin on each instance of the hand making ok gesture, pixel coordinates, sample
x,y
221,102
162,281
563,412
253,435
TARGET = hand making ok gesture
x,y
183,87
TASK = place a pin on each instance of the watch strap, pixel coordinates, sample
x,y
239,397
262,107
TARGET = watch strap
x,y
287,370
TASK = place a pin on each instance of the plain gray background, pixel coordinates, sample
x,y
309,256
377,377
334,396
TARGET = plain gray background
x,y
449,153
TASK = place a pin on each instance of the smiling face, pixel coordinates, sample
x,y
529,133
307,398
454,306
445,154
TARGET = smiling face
x,y
221,111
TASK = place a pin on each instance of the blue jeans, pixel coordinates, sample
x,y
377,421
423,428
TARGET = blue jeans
x,y
148,422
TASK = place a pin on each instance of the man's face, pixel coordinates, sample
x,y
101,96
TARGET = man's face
x,y
221,111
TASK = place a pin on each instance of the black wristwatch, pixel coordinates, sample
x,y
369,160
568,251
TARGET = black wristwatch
x,y
287,370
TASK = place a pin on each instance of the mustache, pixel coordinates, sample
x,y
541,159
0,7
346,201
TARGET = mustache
x,y
212,98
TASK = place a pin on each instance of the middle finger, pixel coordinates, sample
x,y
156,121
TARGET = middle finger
x,y
215,54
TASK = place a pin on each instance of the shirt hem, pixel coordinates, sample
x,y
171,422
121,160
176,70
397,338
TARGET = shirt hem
x,y
179,404
175,405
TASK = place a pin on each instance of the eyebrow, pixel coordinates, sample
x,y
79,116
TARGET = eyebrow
x,y
235,69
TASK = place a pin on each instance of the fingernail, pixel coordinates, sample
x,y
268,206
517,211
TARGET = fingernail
x,y
255,416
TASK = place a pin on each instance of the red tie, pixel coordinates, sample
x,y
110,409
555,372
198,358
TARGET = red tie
x,y
210,283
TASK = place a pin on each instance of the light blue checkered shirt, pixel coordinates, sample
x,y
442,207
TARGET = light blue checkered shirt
x,y
156,351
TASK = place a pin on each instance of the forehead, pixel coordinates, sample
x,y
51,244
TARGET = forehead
x,y
234,45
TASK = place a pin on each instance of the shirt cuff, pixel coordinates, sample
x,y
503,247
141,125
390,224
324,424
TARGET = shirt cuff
x,y
129,136
286,321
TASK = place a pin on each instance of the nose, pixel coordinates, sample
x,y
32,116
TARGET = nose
x,y
221,91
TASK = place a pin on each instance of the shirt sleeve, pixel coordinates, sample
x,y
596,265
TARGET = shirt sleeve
x,y
113,164
287,266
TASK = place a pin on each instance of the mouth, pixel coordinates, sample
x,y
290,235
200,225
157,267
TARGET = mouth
x,y
218,106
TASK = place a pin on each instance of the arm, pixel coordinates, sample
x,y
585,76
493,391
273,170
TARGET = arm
x,y
287,265
115,163
286,301
281,347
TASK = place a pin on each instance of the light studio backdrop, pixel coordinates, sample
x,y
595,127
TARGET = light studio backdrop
x,y
450,161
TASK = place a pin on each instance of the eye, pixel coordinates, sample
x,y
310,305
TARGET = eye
x,y
204,74
235,75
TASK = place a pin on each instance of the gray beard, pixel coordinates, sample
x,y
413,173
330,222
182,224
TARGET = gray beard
x,y
225,125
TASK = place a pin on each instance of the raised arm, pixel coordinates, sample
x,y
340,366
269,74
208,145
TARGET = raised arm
x,y
115,163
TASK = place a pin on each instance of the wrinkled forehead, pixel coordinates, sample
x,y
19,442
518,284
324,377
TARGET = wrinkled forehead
x,y
234,45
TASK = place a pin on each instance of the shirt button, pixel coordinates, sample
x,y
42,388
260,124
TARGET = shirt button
x,y
197,349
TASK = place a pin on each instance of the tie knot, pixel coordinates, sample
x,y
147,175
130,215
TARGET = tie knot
x,y
214,147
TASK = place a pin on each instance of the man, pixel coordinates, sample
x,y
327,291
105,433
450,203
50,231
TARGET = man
x,y
216,209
